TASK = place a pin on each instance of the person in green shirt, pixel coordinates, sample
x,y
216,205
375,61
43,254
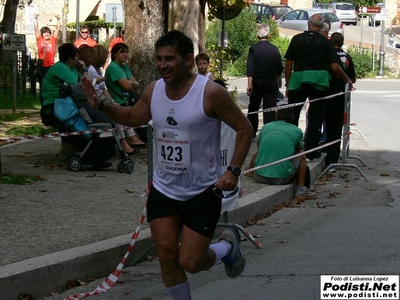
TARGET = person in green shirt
x,y
121,84
69,69
277,140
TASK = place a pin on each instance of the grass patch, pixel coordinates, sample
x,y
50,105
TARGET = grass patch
x,y
14,117
20,179
29,130
24,101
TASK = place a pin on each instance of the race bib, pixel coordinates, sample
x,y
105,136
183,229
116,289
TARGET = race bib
x,y
173,150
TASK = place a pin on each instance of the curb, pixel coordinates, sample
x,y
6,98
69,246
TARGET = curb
x,y
49,273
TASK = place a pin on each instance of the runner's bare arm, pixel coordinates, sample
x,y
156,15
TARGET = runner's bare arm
x,y
128,115
219,103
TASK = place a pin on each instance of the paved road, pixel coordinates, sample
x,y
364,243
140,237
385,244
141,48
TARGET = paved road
x,y
351,229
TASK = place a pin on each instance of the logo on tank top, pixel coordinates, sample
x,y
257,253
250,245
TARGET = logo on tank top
x,y
171,121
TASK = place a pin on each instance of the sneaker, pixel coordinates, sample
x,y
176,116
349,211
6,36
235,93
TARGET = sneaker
x,y
235,261
330,168
305,194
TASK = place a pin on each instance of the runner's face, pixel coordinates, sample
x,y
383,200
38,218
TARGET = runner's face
x,y
171,65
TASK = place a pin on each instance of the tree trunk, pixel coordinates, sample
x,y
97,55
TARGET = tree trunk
x,y
185,18
143,26
202,26
10,10
65,11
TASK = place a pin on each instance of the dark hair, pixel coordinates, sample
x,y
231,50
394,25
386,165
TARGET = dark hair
x,y
86,54
202,56
286,114
45,29
84,26
220,82
337,39
67,50
117,48
182,43
100,55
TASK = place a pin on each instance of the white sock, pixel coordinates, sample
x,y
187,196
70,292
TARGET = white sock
x,y
221,249
180,291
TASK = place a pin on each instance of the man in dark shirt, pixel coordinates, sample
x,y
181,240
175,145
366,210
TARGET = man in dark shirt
x,y
335,107
264,66
312,56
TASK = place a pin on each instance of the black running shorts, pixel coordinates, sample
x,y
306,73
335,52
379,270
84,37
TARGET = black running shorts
x,y
200,214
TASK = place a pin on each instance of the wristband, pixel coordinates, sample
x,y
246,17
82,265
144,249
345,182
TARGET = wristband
x,y
103,99
85,70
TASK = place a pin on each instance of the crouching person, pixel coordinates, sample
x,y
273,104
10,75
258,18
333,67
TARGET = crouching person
x,y
278,140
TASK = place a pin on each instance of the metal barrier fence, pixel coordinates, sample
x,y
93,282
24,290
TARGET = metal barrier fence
x,y
26,76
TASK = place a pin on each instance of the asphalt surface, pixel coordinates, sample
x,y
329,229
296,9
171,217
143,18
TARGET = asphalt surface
x,y
352,228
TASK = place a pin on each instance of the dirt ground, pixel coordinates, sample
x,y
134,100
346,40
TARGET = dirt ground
x,y
32,119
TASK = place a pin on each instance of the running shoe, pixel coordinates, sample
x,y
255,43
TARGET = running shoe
x,y
305,194
235,261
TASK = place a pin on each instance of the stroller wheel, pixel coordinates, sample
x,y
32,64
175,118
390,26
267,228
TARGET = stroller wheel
x,y
75,164
129,166
121,165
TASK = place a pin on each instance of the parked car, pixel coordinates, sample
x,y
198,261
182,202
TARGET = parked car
x,y
297,19
375,18
273,11
324,5
346,12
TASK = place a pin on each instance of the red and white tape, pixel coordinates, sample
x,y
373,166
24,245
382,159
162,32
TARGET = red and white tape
x,y
296,155
296,104
110,281
61,134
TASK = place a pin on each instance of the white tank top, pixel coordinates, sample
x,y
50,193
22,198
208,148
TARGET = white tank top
x,y
187,143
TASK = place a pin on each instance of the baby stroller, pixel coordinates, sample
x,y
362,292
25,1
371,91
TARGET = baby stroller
x,y
91,148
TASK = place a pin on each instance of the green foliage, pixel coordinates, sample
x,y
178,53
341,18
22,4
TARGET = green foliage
x,y
100,23
26,101
21,179
218,57
241,35
238,67
362,61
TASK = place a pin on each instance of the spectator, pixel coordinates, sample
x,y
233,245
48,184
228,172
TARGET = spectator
x,y
312,57
119,39
85,53
183,209
264,67
203,62
69,69
85,38
46,47
122,84
116,40
100,55
278,140
326,28
335,107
